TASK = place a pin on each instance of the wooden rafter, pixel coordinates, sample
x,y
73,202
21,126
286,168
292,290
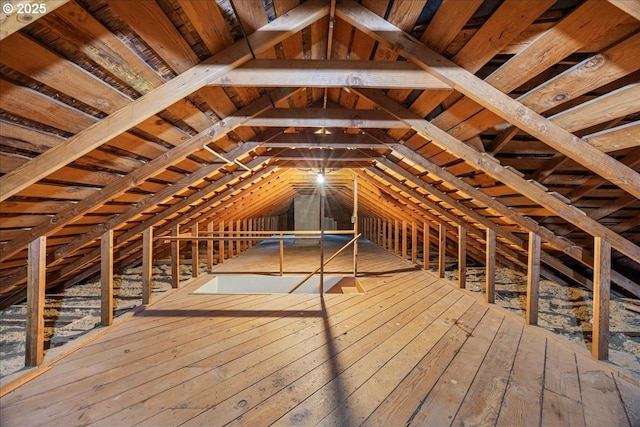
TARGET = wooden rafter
x,y
160,98
491,98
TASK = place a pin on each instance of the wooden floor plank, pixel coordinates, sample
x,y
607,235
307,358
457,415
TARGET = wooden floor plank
x,y
441,404
599,396
412,349
381,375
401,403
482,403
561,404
630,397
522,400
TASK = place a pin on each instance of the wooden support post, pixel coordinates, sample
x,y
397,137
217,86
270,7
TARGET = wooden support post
x,y
490,262
281,254
414,243
442,249
601,297
404,239
250,243
106,278
239,243
175,259
355,225
533,279
462,257
384,234
195,253
245,228
231,243
147,264
221,251
396,238
36,284
379,229
425,245
389,235
210,245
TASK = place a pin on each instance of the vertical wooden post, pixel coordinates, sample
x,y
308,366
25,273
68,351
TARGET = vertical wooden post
x,y
231,241
396,238
195,253
210,244
404,239
250,242
36,283
442,249
245,228
355,225
601,297
414,243
281,255
389,235
147,264
533,279
425,245
106,278
462,257
175,259
221,251
384,234
490,262
239,242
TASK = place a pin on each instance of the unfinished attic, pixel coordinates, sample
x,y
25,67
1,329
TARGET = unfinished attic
x,y
470,258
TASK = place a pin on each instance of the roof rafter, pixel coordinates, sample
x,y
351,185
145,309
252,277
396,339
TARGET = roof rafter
x,y
167,94
491,98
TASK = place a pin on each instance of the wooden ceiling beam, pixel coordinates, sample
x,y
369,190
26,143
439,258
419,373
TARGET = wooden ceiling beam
x,y
491,98
334,141
323,118
160,98
328,74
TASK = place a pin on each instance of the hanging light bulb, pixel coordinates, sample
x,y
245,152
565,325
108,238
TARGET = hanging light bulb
x,y
320,178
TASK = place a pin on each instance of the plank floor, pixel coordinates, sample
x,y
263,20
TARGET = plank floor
x,y
412,351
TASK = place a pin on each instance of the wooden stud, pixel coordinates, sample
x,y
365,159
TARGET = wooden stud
x,y
404,239
147,264
462,257
281,254
36,284
442,249
106,278
221,250
533,279
210,245
195,252
355,225
175,259
425,246
490,272
414,243
601,297
389,235
384,234
396,238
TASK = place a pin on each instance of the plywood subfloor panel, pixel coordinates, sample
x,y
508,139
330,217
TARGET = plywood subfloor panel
x,y
413,350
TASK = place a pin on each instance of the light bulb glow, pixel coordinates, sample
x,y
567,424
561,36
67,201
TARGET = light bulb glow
x,y
320,178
